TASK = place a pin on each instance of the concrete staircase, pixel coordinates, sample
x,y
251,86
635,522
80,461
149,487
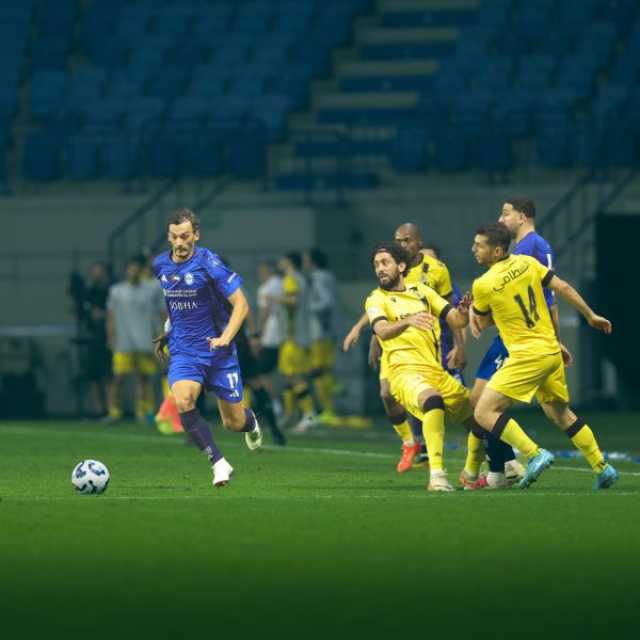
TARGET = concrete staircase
x,y
360,82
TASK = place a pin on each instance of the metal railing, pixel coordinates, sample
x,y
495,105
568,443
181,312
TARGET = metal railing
x,y
569,226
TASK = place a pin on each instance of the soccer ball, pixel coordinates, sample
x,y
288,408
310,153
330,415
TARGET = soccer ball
x,y
90,477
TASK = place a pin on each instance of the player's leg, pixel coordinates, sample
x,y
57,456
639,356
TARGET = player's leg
x,y
491,413
264,407
185,394
433,408
123,365
227,384
399,421
502,458
584,440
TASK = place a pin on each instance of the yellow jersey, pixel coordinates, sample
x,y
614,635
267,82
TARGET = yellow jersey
x,y
431,272
413,347
511,290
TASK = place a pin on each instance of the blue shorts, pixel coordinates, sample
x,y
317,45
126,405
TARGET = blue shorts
x,y
493,359
223,379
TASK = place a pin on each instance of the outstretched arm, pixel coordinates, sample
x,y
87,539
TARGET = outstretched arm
x,y
568,293
354,333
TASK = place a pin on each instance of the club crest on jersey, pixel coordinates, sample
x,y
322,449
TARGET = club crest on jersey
x,y
188,279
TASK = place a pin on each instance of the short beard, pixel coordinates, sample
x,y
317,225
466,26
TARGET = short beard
x,y
391,284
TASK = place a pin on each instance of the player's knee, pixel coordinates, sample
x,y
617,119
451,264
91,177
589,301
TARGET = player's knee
x,y
430,401
481,416
185,402
393,408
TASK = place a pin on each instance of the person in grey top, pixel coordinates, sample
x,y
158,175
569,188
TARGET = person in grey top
x,y
135,313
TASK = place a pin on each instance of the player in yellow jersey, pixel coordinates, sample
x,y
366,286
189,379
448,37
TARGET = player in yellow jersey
x,y
425,269
510,294
293,357
405,319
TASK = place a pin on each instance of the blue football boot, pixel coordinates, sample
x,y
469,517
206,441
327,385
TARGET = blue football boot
x,y
606,478
536,466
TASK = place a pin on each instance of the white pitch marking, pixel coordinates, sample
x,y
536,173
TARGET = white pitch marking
x,y
17,430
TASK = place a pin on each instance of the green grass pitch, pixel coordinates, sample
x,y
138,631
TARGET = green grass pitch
x,y
321,539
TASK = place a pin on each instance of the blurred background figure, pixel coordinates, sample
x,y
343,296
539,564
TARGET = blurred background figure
x,y
90,311
323,300
135,314
293,357
271,326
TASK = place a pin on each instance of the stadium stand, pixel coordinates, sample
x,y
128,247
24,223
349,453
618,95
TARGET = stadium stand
x,y
373,86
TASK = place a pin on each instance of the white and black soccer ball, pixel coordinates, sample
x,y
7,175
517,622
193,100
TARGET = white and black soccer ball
x,y
90,477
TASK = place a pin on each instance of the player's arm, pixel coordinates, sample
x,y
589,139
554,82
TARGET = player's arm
x,y
567,292
458,317
456,357
240,310
479,310
388,329
554,312
162,340
354,333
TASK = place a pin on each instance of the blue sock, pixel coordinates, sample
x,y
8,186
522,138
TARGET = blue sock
x,y
416,428
498,453
195,425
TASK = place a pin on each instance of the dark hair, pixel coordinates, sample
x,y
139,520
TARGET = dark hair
x,y
295,258
184,215
393,249
523,205
319,258
434,247
497,235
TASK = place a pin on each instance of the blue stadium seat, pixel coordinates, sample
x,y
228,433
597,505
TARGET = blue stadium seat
x,y
80,158
42,156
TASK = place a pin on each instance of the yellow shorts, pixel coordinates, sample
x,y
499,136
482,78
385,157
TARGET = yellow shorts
x,y
523,377
406,387
142,363
293,360
322,354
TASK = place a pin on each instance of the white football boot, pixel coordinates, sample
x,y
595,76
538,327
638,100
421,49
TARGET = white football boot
x,y
438,481
496,480
253,439
513,471
222,471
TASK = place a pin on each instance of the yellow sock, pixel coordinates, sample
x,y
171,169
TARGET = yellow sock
x,y
433,431
324,391
289,401
404,431
246,398
475,455
115,412
306,404
517,438
585,441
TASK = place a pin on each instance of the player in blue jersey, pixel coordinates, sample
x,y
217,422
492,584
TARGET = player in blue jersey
x,y
518,215
206,308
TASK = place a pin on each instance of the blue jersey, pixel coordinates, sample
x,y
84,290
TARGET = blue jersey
x,y
537,247
196,293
